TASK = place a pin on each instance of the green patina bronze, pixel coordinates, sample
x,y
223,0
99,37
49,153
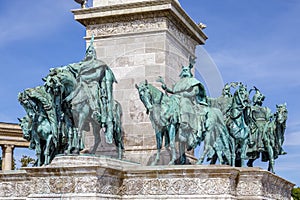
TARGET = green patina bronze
x,y
232,127
72,98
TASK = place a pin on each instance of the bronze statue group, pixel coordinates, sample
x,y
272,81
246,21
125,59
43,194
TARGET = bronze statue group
x,y
79,97
73,98
231,128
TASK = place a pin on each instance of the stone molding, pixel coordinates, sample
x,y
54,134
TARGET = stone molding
x,y
139,26
115,179
11,134
131,11
9,129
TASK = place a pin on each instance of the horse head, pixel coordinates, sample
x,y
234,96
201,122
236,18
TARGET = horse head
x,y
60,81
145,95
241,96
25,124
281,113
27,102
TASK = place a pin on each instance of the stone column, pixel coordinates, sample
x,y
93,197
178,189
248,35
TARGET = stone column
x,y
3,155
7,156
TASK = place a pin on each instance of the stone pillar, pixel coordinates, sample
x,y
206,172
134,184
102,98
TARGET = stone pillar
x,y
7,156
3,155
140,39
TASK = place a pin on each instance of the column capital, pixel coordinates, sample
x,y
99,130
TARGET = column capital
x,y
8,148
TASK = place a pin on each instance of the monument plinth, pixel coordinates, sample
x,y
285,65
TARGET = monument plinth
x,y
140,39
87,177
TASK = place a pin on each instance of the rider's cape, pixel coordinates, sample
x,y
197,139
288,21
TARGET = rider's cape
x,y
187,105
186,84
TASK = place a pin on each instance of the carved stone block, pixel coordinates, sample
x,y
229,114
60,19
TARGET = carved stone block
x,y
91,177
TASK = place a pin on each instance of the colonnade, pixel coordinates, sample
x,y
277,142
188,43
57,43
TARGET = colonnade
x,y
11,136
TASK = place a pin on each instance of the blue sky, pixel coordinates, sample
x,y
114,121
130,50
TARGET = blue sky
x,y
255,42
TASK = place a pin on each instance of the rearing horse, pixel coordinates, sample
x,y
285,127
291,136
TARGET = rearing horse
x,y
36,125
162,111
236,123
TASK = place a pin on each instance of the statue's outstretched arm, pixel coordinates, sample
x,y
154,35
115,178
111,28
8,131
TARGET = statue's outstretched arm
x,y
164,86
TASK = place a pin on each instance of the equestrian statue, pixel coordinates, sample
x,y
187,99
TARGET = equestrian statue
x,y
232,128
73,98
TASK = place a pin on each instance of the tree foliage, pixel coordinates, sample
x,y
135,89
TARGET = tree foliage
x,y
296,193
13,164
27,161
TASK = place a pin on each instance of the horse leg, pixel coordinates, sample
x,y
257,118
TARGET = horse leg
x,y
82,116
205,151
271,166
70,141
250,162
97,139
271,158
233,153
118,142
220,157
47,150
228,157
182,158
120,150
158,135
243,153
182,145
38,152
109,121
214,159
172,133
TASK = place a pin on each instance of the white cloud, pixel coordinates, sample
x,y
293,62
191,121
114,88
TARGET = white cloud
x,y
267,67
270,54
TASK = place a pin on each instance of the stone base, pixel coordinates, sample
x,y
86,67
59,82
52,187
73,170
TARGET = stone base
x,y
88,177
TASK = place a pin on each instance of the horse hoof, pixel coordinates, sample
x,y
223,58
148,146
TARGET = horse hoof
x,y
67,152
75,152
84,151
199,163
171,162
154,163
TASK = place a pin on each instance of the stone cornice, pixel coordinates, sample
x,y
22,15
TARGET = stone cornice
x,y
12,134
156,8
10,129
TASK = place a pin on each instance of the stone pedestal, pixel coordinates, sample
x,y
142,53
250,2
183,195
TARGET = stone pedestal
x,y
87,178
140,39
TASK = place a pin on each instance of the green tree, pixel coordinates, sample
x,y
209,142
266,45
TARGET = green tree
x,y
26,161
13,165
296,193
